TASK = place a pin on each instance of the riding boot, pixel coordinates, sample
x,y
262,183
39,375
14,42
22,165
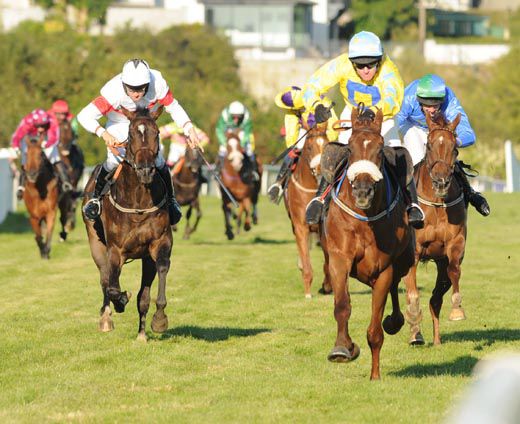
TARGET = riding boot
x,y
21,185
471,196
174,208
254,168
315,207
61,171
219,164
276,190
92,208
414,211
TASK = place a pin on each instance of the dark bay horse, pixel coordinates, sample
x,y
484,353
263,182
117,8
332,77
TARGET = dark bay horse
x,y
367,237
72,156
237,178
40,194
443,238
187,182
134,224
301,188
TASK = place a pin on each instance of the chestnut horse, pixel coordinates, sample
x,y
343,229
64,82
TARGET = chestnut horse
x,y
367,237
72,157
301,188
237,178
134,224
443,238
40,194
187,184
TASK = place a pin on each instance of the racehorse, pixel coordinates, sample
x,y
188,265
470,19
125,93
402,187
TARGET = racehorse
x,y
187,182
134,224
237,177
443,238
301,188
72,157
40,194
367,237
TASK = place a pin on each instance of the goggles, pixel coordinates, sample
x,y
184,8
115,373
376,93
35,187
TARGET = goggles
x,y
370,65
137,89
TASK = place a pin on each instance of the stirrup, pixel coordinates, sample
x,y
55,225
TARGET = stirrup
x,y
92,209
314,210
66,186
19,192
275,192
480,203
256,176
414,221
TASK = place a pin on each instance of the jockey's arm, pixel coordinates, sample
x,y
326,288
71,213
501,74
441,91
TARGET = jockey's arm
x,y
247,128
292,128
89,119
392,90
465,134
220,131
322,81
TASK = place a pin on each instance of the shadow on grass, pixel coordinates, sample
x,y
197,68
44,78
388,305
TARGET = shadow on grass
x,y
487,336
212,334
237,241
401,290
462,366
15,223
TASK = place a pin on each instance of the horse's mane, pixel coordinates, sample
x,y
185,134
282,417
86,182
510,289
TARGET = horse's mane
x,y
142,112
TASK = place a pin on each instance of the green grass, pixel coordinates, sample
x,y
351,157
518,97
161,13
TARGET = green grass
x,y
243,344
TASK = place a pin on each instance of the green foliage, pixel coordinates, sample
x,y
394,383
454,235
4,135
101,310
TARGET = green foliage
x,y
37,67
385,18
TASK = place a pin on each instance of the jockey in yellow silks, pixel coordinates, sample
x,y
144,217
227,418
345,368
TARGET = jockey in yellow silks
x,y
297,122
365,75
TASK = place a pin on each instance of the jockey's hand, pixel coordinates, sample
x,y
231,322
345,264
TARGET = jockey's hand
x,y
321,113
193,140
110,140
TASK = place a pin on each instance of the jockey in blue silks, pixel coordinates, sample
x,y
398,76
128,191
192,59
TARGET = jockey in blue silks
x,y
430,94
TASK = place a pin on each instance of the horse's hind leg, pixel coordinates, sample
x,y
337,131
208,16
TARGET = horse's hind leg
x,y
227,220
454,271
442,285
143,297
115,262
413,311
188,230
198,215
162,260
326,287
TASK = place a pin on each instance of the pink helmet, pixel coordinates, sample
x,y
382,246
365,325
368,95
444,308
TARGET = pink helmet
x,y
60,106
39,118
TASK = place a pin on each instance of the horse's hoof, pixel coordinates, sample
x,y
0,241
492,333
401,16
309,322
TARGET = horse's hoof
x,y
308,296
457,314
106,325
141,337
63,236
392,325
121,301
416,339
323,291
247,226
230,235
159,325
342,354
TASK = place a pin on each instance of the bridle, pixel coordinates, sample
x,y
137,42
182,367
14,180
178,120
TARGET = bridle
x,y
430,164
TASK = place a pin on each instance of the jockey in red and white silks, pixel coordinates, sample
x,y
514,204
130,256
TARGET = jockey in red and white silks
x,y
114,96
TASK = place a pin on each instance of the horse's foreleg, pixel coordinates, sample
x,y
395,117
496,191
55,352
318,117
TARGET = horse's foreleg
x,y
148,271
247,211
162,259
394,322
375,334
115,262
188,230
413,311
227,220
455,256
198,215
301,233
50,219
442,285
344,349
326,287
37,229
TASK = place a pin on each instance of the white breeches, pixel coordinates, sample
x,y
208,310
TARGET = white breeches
x,y
389,130
120,131
176,152
302,139
415,139
52,153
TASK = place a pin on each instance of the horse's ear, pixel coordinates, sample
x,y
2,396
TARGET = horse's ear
x,y
453,124
129,114
156,113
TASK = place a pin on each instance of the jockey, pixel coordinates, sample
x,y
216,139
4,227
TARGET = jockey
x,y
291,101
365,75
60,112
175,134
430,94
236,116
136,86
32,126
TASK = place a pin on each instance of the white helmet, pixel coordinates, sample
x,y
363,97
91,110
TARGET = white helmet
x,y
135,72
237,108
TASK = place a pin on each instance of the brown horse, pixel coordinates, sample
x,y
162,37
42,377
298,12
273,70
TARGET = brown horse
x,y
237,178
40,194
187,184
301,188
134,224
72,157
367,237
443,238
